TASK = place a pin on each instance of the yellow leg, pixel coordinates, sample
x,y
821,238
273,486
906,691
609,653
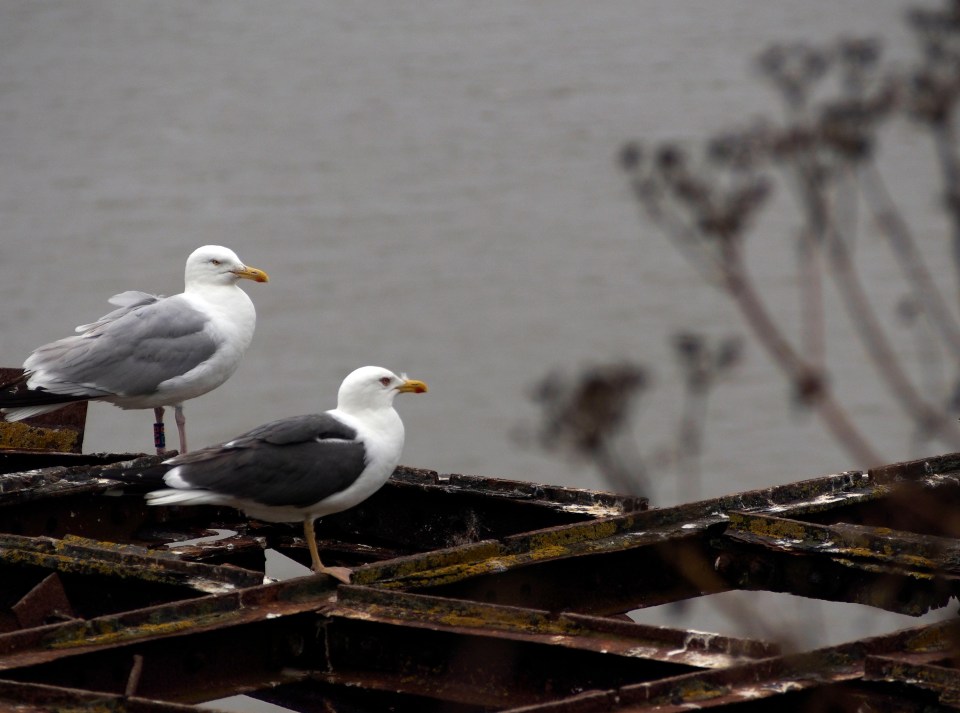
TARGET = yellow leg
x,y
340,573
315,564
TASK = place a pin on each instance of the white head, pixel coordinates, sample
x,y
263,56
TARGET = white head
x,y
372,388
217,265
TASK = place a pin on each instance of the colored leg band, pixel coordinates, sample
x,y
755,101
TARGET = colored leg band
x,y
159,436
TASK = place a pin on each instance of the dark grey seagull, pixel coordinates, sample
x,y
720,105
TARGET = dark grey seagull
x,y
151,352
303,467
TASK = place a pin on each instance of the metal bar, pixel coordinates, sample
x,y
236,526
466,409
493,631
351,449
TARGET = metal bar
x,y
472,594
59,431
610,534
929,671
38,697
46,601
257,604
790,683
601,634
896,571
294,632
922,554
74,554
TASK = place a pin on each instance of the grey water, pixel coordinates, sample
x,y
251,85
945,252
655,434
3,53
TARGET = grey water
x,y
432,187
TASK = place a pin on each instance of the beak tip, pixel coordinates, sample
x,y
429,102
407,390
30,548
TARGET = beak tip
x,y
252,273
413,387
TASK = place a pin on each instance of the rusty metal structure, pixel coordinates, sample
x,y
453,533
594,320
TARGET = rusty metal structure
x,y
469,594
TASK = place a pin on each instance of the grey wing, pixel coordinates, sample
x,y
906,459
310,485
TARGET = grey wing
x,y
126,301
129,355
295,461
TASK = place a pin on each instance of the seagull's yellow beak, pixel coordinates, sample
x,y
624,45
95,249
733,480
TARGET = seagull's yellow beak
x,y
412,386
252,273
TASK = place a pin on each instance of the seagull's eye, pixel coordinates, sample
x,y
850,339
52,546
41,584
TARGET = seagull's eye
x,y
385,380
214,261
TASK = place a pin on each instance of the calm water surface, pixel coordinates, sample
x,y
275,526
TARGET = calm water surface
x,y
432,188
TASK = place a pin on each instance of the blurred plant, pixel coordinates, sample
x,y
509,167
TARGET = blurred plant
x,y
837,101
702,364
588,415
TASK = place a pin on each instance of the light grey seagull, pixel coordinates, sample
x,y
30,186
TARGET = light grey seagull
x,y
152,352
303,467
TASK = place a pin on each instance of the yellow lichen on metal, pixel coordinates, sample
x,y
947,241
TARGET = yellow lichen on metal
x,y
582,532
22,436
700,690
493,558
499,562
931,639
463,615
112,634
443,560
780,529
68,563
420,577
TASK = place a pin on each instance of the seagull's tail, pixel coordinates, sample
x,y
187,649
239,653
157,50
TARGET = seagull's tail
x,y
140,476
18,402
173,496
18,414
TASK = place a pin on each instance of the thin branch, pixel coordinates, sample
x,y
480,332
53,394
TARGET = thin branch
x,y
929,418
809,382
686,239
890,222
945,140
811,298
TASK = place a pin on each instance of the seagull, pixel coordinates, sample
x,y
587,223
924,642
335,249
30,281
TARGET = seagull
x,y
151,352
303,467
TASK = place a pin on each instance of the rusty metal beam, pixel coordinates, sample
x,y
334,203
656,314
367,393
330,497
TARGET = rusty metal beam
x,y
255,604
597,566
579,501
611,534
890,570
44,602
946,465
57,432
936,672
683,552
922,555
101,503
39,698
79,555
824,679
472,594
378,640
600,634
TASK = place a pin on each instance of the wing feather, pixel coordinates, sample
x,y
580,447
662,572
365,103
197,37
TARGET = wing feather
x,y
128,352
295,461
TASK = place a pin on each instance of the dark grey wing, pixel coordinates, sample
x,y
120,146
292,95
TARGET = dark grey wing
x,y
295,461
296,429
129,355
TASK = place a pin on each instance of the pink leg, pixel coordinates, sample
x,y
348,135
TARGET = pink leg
x,y
159,437
181,426
340,573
